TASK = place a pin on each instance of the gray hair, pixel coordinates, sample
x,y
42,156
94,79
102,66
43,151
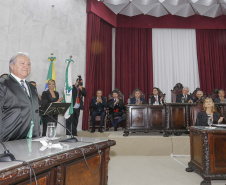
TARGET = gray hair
x,y
186,88
13,58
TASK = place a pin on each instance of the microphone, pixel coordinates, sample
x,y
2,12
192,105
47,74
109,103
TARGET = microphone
x,y
73,139
6,156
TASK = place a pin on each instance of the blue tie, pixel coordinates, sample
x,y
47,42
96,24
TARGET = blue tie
x,y
25,89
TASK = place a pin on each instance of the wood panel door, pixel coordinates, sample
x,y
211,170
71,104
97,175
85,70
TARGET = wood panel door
x,y
137,117
157,117
177,115
78,173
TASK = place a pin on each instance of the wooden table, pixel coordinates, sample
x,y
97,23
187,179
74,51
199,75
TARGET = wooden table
x,y
208,153
168,118
58,166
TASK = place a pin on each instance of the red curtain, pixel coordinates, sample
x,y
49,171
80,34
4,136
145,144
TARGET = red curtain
x,y
133,60
211,51
98,61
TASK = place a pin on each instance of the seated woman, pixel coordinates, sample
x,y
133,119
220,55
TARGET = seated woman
x,y
137,100
202,118
48,97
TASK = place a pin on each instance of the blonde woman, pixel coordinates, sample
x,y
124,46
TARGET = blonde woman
x,y
209,111
50,96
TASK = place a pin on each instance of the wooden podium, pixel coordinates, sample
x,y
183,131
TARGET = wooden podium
x,y
208,153
58,166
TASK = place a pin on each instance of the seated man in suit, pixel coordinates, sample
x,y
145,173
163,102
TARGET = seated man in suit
x,y
116,106
220,99
137,100
98,104
156,99
184,97
199,95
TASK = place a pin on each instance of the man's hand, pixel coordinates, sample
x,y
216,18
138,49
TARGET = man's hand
x,y
117,101
161,99
190,101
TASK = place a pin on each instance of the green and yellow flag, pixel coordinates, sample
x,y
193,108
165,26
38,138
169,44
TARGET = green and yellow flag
x,y
51,72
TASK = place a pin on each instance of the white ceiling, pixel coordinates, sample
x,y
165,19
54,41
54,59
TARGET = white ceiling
x,y
158,8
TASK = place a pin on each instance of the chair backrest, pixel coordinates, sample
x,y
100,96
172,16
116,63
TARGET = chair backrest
x,y
193,95
160,93
176,90
213,94
120,95
195,110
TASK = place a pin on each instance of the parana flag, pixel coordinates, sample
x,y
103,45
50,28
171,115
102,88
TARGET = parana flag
x,y
51,72
68,88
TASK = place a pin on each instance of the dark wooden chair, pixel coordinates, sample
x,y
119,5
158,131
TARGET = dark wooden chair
x,y
176,90
194,93
213,94
195,110
97,125
159,94
123,123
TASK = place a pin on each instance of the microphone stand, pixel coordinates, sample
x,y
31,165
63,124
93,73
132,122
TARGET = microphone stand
x,y
73,139
6,156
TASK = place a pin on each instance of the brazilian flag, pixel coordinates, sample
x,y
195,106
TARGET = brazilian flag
x,y
51,72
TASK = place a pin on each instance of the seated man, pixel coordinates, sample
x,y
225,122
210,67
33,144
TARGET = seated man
x,y
156,99
199,94
184,97
98,104
115,106
220,99
137,100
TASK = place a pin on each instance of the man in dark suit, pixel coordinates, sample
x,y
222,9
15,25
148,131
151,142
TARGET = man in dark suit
x,y
137,100
221,98
98,104
156,99
116,106
78,92
199,95
19,112
184,97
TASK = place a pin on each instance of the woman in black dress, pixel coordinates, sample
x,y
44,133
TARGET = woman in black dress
x,y
50,96
209,111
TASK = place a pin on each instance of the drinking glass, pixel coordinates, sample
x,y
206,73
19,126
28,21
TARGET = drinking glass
x,y
210,122
51,131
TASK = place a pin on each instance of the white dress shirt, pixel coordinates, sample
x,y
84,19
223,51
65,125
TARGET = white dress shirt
x,y
25,84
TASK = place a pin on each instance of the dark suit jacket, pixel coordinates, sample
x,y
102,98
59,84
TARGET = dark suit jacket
x,y
179,96
17,110
202,118
113,107
98,107
153,100
81,94
133,100
217,100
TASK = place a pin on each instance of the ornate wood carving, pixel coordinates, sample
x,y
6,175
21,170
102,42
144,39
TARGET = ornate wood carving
x,y
207,153
58,180
177,89
51,161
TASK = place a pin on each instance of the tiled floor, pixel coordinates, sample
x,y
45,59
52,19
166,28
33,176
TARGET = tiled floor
x,y
153,170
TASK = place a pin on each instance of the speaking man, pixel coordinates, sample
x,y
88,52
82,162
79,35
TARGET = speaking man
x,y
19,105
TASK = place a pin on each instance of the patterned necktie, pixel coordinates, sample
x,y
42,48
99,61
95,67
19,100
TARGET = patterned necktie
x,y
25,89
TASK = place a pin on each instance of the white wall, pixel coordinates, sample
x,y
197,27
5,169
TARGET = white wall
x,y
38,28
